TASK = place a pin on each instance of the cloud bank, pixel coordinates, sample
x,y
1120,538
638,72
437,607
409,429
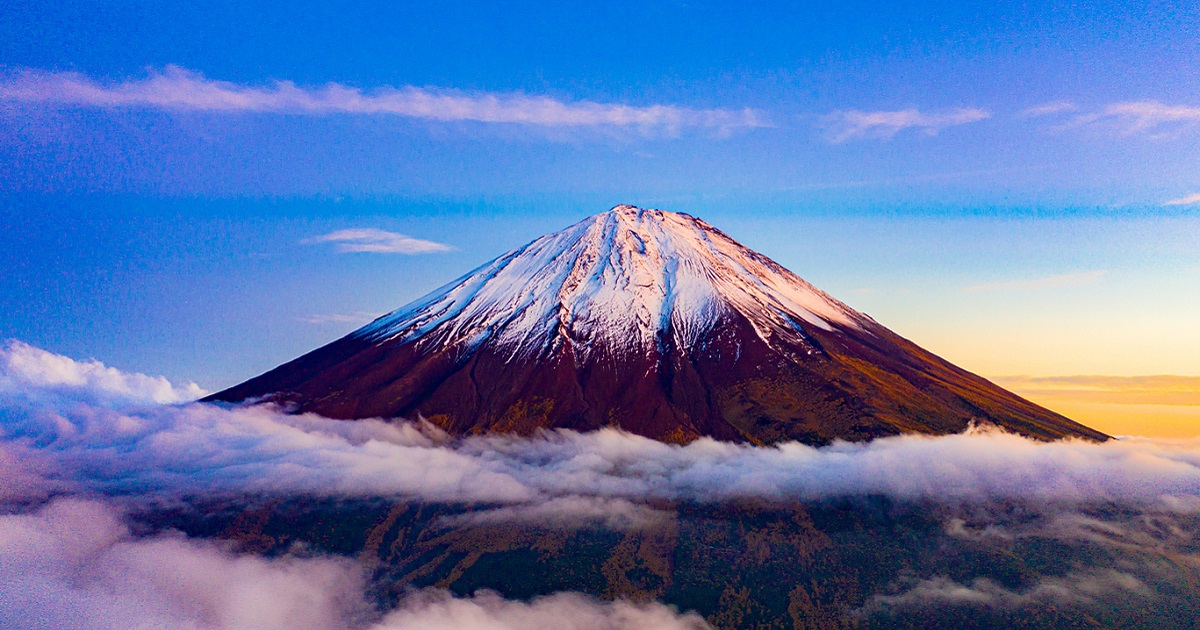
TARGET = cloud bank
x,y
376,241
175,450
74,458
854,124
175,88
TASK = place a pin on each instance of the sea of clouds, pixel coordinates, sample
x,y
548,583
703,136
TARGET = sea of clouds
x,y
82,443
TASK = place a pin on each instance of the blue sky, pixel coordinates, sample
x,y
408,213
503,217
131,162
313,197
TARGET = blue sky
x,y
1013,187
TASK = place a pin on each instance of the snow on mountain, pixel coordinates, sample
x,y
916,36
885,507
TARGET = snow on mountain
x,y
620,280
654,322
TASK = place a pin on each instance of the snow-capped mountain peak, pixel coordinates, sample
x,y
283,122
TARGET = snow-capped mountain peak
x,y
654,322
622,280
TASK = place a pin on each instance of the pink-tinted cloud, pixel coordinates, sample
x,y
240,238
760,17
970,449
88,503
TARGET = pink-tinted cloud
x,y
856,124
1186,200
376,241
1133,117
1050,109
360,317
176,88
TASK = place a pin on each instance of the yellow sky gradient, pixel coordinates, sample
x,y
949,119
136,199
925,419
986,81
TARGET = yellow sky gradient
x,y
1151,406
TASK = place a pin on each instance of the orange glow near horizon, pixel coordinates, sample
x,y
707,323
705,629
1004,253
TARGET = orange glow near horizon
x,y
1163,406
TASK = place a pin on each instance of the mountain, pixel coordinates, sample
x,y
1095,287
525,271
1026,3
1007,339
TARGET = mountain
x,y
652,321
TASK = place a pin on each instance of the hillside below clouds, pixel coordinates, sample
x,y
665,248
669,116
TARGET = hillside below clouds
x,y
654,322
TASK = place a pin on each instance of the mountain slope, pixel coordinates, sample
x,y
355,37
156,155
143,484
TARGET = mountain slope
x,y
652,321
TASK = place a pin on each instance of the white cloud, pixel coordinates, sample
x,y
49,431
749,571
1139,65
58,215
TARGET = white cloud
x,y
75,444
204,449
375,241
1184,201
74,563
176,88
26,368
856,124
360,317
1081,278
1049,109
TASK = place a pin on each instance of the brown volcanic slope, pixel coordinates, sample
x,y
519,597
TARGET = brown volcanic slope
x,y
654,322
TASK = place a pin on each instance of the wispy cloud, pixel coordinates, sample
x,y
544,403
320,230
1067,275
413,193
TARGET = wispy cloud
x,y
855,124
1052,282
1184,201
1072,588
1130,390
360,317
1133,117
375,241
176,88
1049,109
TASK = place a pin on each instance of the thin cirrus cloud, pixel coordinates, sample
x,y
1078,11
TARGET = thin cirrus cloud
x,y
1164,389
1184,201
175,88
1052,282
376,241
1073,588
359,317
1049,109
1133,117
854,124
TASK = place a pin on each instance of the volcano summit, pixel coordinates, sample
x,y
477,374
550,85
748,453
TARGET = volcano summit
x,y
654,322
